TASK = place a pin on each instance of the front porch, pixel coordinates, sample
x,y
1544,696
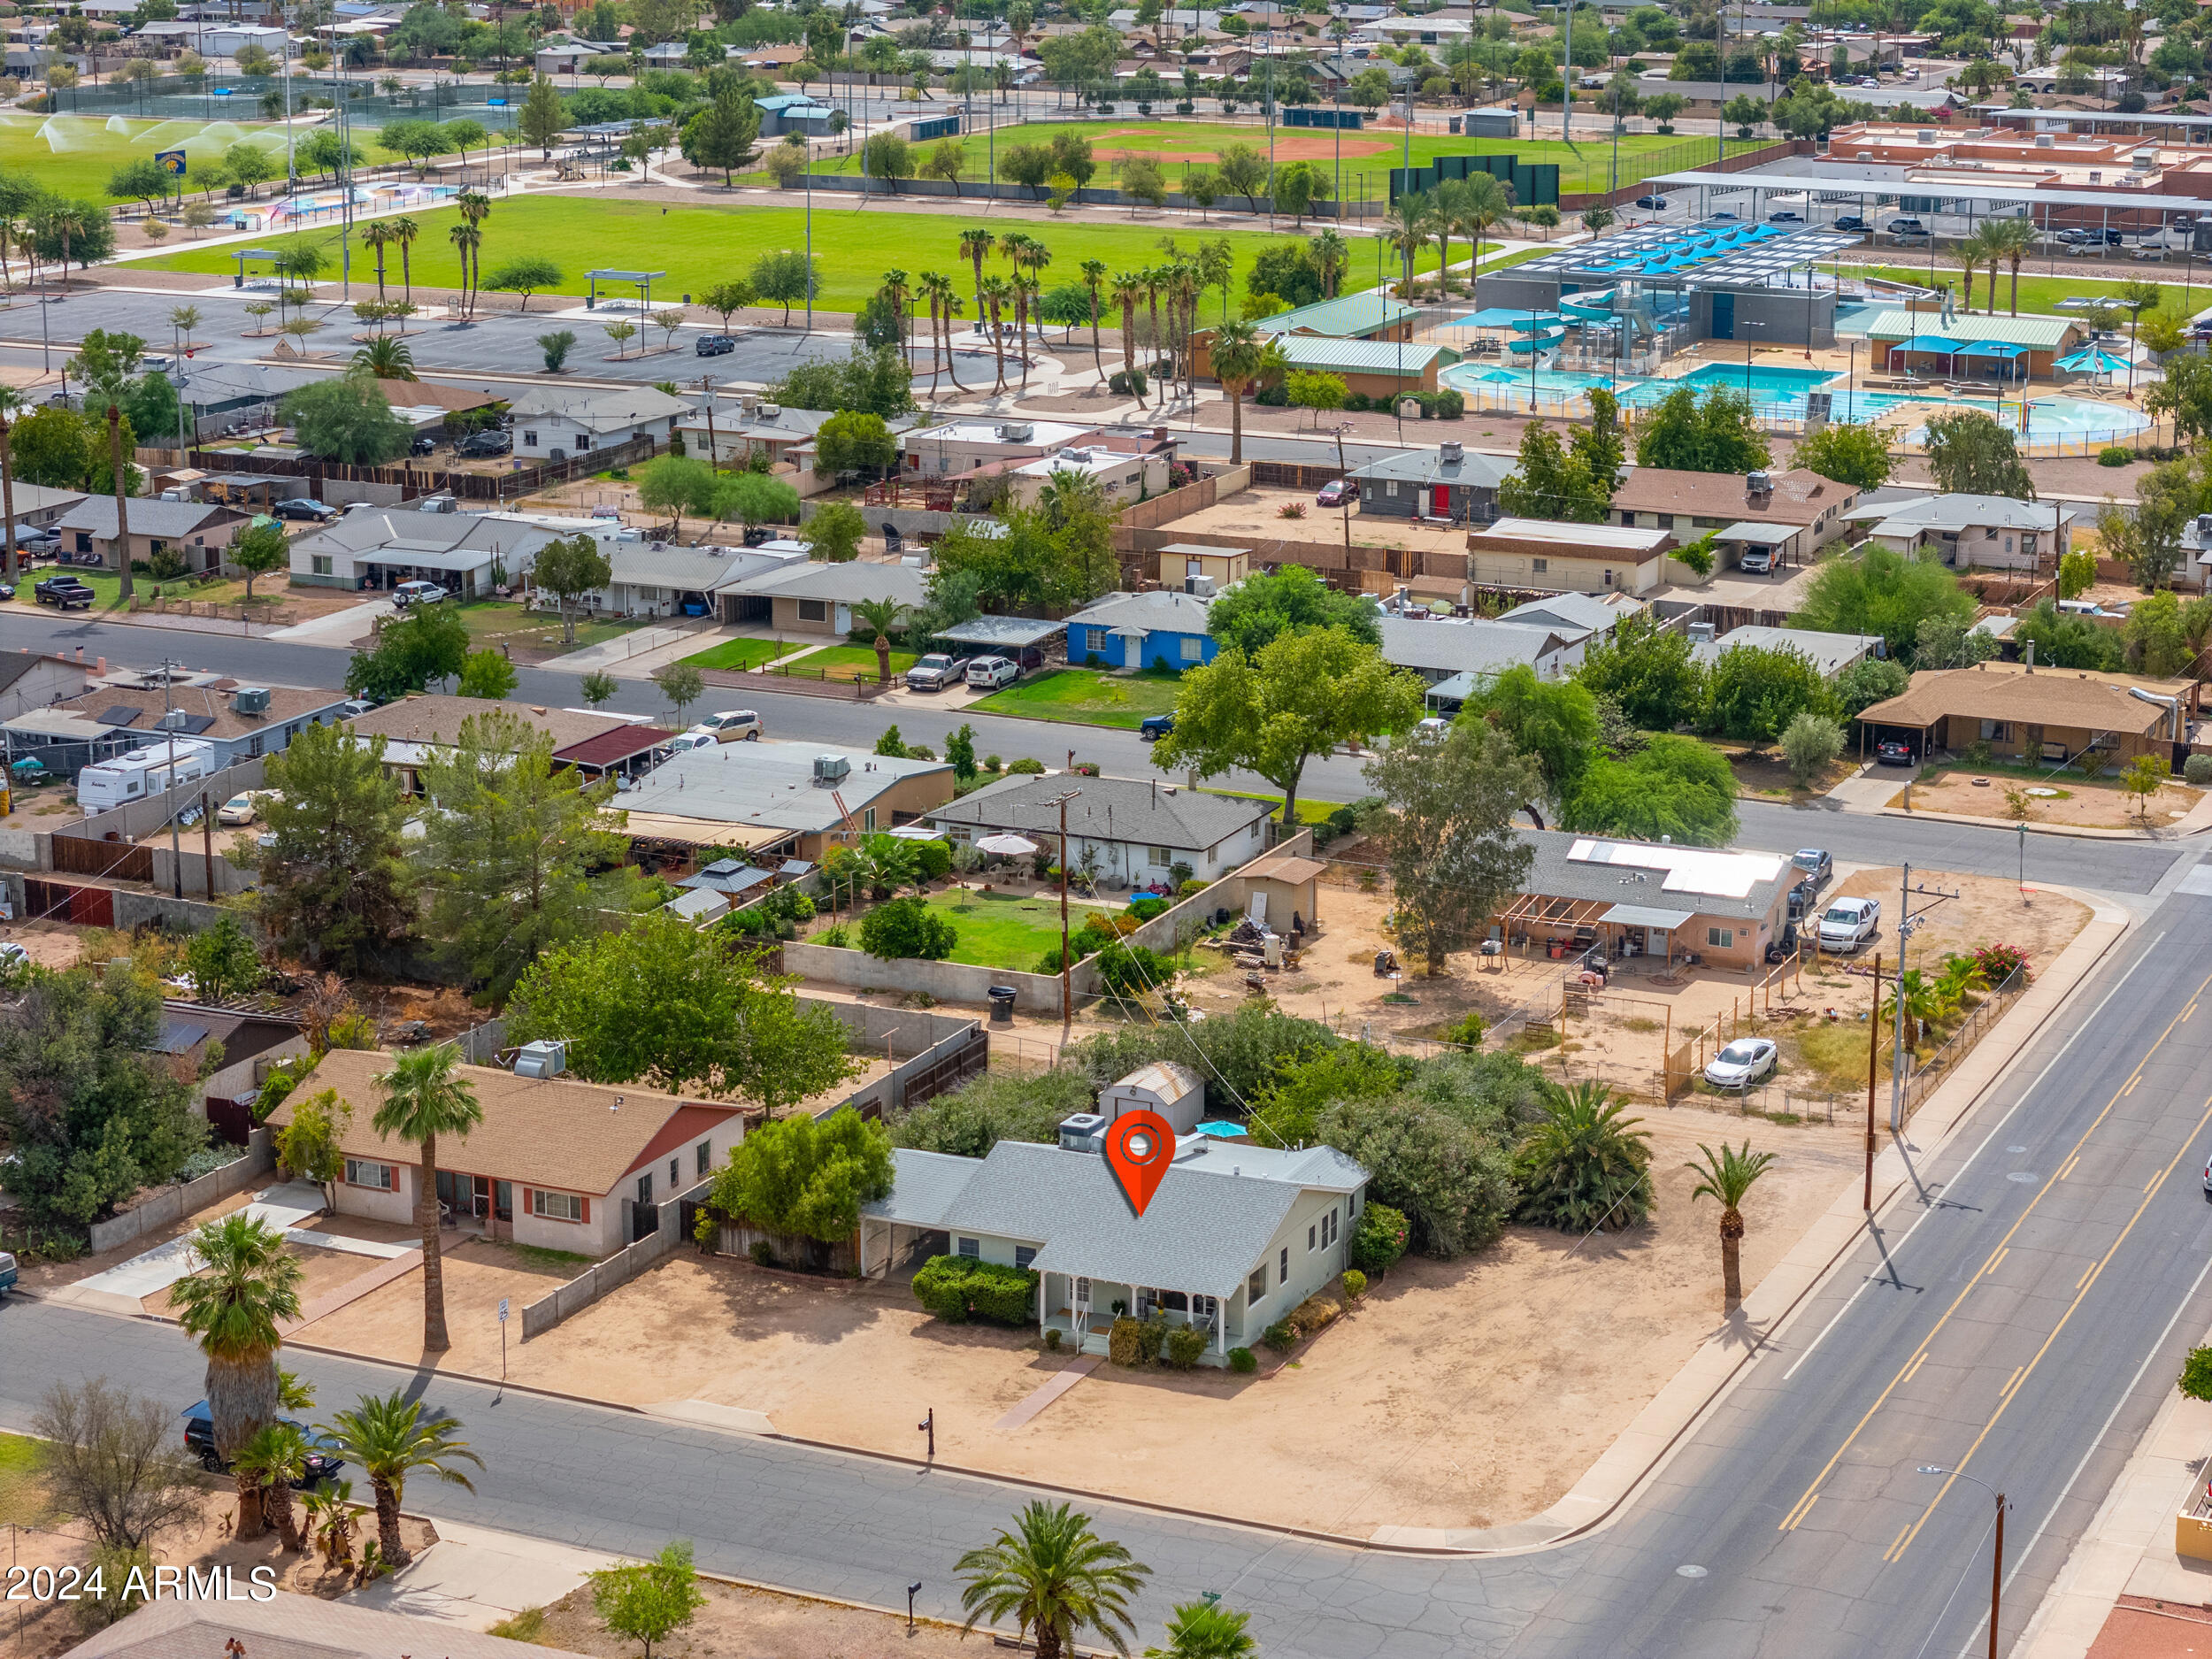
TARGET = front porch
x,y
1083,1310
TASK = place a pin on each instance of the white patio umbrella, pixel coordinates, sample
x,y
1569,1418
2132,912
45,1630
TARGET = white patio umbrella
x,y
915,833
1011,845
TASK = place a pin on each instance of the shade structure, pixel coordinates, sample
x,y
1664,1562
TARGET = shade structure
x,y
1006,843
2091,363
916,833
1992,349
1929,343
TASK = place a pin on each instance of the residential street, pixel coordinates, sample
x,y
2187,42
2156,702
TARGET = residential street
x,y
2025,1312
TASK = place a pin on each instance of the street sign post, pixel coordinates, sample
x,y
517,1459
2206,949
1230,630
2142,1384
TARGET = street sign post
x,y
502,1340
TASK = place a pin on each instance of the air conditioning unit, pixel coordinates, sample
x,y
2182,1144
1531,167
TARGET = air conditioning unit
x,y
546,1057
771,412
2045,140
558,455
831,770
249,700
437,504
1018,431
1081,1132
1452,450
1700,633
1757,484
2204,526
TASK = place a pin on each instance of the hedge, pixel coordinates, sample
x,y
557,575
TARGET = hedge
x,y
957,1288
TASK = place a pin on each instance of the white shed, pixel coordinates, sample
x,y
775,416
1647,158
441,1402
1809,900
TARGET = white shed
x,y
1172,1090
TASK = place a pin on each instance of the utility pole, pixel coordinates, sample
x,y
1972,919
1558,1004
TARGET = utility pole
x,y
1997,1561
1067,968
1873,1054
1907,924
168,705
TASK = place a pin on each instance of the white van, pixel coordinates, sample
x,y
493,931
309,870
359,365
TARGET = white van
x,y
141,772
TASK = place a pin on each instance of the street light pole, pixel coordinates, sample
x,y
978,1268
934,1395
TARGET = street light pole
x,y
1997,1561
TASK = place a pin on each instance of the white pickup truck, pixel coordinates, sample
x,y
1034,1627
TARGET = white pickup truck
x,y
1847,924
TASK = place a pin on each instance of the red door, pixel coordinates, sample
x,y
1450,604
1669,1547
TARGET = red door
x,y
1440,501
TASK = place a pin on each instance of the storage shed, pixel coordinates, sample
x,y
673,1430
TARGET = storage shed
x,y
1172,1090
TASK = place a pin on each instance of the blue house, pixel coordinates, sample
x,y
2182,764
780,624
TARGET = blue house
x,y
1164,630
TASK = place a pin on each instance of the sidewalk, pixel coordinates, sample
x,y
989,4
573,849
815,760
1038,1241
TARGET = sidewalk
x,y
641,650
338,627
476,1577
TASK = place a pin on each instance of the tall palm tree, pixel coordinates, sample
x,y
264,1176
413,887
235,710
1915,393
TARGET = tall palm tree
x,y
995,293
1236,364
1725,1177
1488,203
1127,286
1025,287
1094,277
974,244
2016,241
11,232
1154,280
377,235
474,207
886,617
893,288
1331,255
1448,207
944,306
246,1287
1407,226
1970,254
389,1438
423,1099
1054,1576
466,239
387,358
1583,1164
274,1459
404,230
1205,1630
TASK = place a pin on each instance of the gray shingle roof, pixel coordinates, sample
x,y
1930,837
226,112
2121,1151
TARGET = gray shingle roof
x,y
166,519
1129,809
1162,611
1455,647
844,584
1472,470
1964,512
924,1186
641,564
1569,612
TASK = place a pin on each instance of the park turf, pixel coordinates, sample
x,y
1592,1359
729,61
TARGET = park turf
x,y
1084,697
76,155
2042,294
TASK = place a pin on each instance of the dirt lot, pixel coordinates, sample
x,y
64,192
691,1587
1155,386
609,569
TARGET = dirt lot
x,y
476,1275
739,1624
2065,797
1464,1393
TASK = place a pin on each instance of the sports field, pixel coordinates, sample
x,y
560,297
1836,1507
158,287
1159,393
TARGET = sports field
x,y
1367,156
700,246
75,155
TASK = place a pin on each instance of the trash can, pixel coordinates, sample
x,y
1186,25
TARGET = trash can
x,y
1002,1004
1221,915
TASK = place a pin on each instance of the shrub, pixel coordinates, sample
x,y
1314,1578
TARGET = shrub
x,y
2197,770
1450,405
1152,1337
1273,396
1997,961
1358,402
2113,454
2196,1374
1121,1342
1466,1032
906,928
833,937
1126,383
1185,1344
1195,886
992,762
1025,767
936,860
763,1254
1379,1240
1243,1361
1052,1339
1281,1336
1354,1284
957,1288
1147,906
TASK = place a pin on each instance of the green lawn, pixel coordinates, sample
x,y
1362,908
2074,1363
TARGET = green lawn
x,y
2042,294
20,1502
75,155
740,656
494,622
997,932
1083,697
853,662
1309,810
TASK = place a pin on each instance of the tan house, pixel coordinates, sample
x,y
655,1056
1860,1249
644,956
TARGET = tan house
x,y
785,798
555,1162
1533,553
1691,503
819,598
418,729
1627,899
2047,716
197,531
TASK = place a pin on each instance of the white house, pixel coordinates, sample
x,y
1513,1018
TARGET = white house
x,y
466,553
961,446
1235,1236
1831,653
562,56
554,422
1127,829
1121,475
555,1162
1973,532
1441,648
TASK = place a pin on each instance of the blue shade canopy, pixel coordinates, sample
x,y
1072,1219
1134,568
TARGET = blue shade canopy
x,y
1993,348
1929,342
2093,362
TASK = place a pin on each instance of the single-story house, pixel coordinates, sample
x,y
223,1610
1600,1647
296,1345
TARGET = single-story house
x,y
1132,829
1546,553
1831,653
1352,317
554,422
1634,899
567,57
197,531
36,506
238,722
1162,629
420,728
1445,482
1443,646
1691,503
1235,1236
467,553
811,598
1121,475
2044,715
739,434
31,679
1973,532
555,1162
652,580
1568,614
961,446
288,1624
770,797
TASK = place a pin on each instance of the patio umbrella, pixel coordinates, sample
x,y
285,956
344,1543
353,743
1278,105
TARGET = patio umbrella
x,y
1011,845
915,833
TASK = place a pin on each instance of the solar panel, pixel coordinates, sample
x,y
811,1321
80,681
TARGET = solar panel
x,y
193,725
120,715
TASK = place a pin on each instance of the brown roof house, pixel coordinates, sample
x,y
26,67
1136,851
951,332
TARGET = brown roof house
x,y
555,1162
2041,714
416,729
281,1625
1691,503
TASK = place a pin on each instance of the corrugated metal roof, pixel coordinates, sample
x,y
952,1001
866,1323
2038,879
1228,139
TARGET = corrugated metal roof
x,y
1366,357
2036,332
1349,318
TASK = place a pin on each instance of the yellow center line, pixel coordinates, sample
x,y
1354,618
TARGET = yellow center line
x,y
1905,1371
2132,1081
1897,1549
2002,1252
2088,1273
2069,1169
1799,1520
1891,1553
2013,1381
1915,1366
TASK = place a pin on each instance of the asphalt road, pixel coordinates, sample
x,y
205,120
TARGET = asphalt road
x,y
2021,1315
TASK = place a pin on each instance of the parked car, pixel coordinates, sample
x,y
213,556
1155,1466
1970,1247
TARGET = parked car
x,y
306,508
1849,922
714,345
1336,492
991,672
323,1462
354,708
1816,863
8,1272
1906,227
1853,222
39,543
415,594
1724,216
1893,752
1758,561
1803,896
423,444
66,593
2207,1188
7,590
1784,216
480,444
935,672
732,725
1652,204
1156,726
1742,1062
238,810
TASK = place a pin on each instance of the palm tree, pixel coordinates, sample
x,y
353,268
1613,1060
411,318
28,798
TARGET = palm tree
x,y
183,320
945,303
1488,203
1448,206
1154,280
422,1100
974,245
377,235
404,231
886,617
1969,253
247,1286
1406,227
995,293
1094,276
1236,363
387,358
1205,1630
1054,1576
2016,238
274,1459
329,1508
1582,1165
1127,286
475,207
389,1438
1025,304
11,232
1923,1003
465,239
1331,255
1960,975
1725,1177
893,288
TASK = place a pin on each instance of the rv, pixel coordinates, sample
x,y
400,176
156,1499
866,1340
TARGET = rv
x,y
141,772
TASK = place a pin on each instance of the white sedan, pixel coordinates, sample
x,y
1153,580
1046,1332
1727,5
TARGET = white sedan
x,y
1742,1062
238,810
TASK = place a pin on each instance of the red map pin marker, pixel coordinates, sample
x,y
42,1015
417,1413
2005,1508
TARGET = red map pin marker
x,y
1139,1146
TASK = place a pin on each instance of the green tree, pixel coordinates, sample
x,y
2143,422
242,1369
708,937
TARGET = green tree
x,y
2076,573
511,843
144,180
681,683
1755,692
648,1601
1878,591
598,686
677,484
2146,537
1743,113
346,420
1272,711
335,887
1585,1167
1809,744
1553,722
722,136
2183,394
569,567
806,1177
960,750
2154,641
555,346
1870,681
1846,452
1205,1630
906,928
662,1003
260,549
2145,776
1053,1578
1454,859
429,642
832,534
1320,392
245,1288
1674,789
1648,669
422,1099
1727,1177
854,443
753,498
1969,454
1714,434
784,278
390,1437
1254,611
2196,1374
223,961
542,119
525,276
310,1142
485,673
2067,641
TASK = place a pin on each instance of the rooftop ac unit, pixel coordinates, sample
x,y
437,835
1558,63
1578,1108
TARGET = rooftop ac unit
x,y
1700,633
2046,141
546,1057
771,412
1451,450
1080,1131
831,770
437,504
2204,526
251,700
1018,431
1201,586
1925,134
1757,484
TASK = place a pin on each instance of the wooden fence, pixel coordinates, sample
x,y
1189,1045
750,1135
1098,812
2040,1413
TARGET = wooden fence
x,y
116,860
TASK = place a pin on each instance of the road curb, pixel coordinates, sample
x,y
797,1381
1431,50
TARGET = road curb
x,y
2071,832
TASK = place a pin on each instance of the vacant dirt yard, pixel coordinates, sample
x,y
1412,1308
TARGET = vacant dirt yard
x,y
2059,797
740,1623
1466,1393
478,1273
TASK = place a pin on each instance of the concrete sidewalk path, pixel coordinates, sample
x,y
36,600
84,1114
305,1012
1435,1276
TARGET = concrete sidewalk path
x,y
283,1207
476,1577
